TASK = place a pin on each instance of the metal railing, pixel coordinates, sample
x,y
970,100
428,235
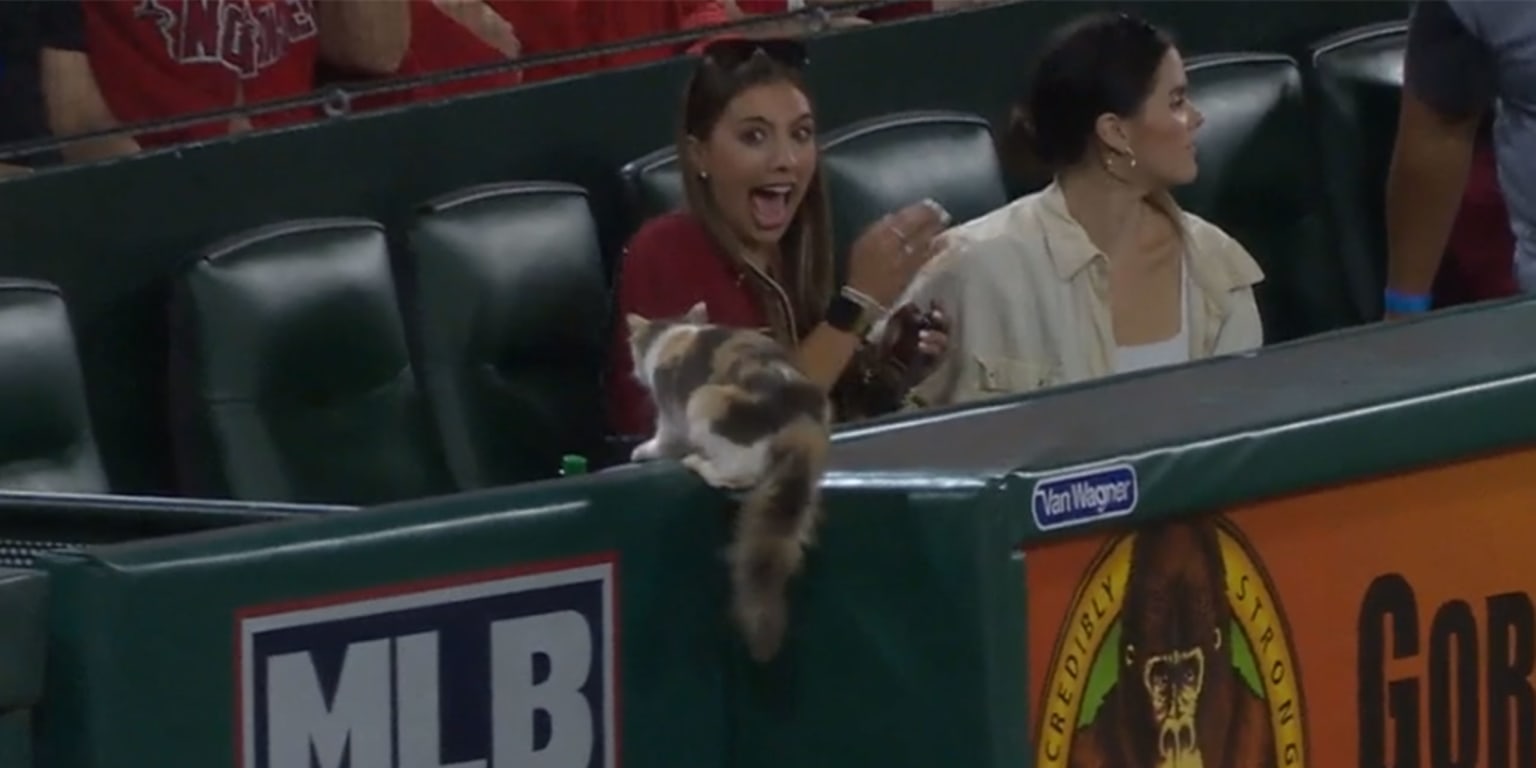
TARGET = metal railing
x,y
336,101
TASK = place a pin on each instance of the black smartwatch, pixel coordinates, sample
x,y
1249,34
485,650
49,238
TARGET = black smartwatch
x,y
849,316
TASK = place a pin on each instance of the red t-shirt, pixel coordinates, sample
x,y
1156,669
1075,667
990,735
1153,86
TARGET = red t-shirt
x,y
668,266
440,43
554,26
156,59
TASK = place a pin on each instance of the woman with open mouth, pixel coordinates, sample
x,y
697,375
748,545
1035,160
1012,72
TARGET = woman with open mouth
x,y
754,244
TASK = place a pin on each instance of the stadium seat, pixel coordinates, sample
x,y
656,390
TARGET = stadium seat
x,y
511,315
879,165
1259,182
653,185
290,375
46,440
1356,81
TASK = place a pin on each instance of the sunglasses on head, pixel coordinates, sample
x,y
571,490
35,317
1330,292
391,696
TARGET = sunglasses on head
x,y
732,53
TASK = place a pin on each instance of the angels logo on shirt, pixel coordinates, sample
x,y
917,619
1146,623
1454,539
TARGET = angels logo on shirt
x,y
244,36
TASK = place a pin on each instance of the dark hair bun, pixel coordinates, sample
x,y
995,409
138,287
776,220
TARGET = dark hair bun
x,y
1103,63
1018,150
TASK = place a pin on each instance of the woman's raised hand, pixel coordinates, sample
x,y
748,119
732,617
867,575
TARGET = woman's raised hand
x,y
891,251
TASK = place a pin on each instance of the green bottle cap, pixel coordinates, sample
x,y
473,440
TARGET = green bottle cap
x,y
572,464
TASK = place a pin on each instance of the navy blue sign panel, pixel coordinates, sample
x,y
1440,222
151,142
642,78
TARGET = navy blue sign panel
x,y
508,670
1084,496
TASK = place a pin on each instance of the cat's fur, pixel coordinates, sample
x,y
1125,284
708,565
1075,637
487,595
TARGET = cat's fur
x,y
732,406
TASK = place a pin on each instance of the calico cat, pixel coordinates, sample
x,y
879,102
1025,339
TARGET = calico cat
x,y
732,406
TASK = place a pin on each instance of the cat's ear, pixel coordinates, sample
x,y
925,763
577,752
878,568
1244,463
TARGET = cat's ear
x,y
698,314
637,324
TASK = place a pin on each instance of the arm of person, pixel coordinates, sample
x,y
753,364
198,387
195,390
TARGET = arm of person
x,y
368,37
72,99
697,14
1242,328
950,378
75,105
795,27
477,16
1449,82
940,6
824,354
743,9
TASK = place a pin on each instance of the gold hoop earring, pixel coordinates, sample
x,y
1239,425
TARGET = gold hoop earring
x,y
1109,163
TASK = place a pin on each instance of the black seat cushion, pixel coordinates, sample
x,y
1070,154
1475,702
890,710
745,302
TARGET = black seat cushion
x,y
46,441
1258,181
877,166
1356,81
290,375
511,313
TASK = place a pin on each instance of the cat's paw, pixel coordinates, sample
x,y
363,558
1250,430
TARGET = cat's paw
x,y
706,471
649,450
738,482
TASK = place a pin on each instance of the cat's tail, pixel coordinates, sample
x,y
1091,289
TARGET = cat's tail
x,y
776,523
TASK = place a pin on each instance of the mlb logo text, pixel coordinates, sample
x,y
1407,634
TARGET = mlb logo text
x,y
500,670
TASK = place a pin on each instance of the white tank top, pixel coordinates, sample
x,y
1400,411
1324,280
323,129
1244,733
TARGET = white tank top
x,y
1170,351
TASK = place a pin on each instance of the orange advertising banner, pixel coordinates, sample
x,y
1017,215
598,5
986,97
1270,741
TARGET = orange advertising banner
x,y
1384,623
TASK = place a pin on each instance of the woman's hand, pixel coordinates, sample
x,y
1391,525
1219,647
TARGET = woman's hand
x,y
883,261
914,342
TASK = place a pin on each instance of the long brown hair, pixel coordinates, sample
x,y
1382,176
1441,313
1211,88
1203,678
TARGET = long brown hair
x,y
805,271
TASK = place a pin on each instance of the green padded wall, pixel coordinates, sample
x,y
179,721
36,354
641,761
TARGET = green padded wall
x,y
158,617
169,606
908,638
23,615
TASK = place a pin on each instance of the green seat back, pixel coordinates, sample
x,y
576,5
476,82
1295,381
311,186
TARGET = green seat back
x,y
1356,81
1258,182
290,376
877,166
511,314
46,440
653,185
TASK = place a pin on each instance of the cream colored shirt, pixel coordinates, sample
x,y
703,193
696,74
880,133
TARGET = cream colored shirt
x,y
1170,351
1027,295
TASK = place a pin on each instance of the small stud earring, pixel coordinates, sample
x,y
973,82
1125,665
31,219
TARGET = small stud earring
x,y
703,175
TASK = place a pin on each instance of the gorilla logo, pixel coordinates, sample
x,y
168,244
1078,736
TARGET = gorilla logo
x,y
1175,656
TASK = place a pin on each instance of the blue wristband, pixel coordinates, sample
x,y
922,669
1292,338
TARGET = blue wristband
x,y
1399,303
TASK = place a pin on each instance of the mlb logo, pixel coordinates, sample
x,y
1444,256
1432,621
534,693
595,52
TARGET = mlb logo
x,y
501,670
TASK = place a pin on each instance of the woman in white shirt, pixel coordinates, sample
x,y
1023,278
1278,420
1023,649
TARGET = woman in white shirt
x,y
1101,272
